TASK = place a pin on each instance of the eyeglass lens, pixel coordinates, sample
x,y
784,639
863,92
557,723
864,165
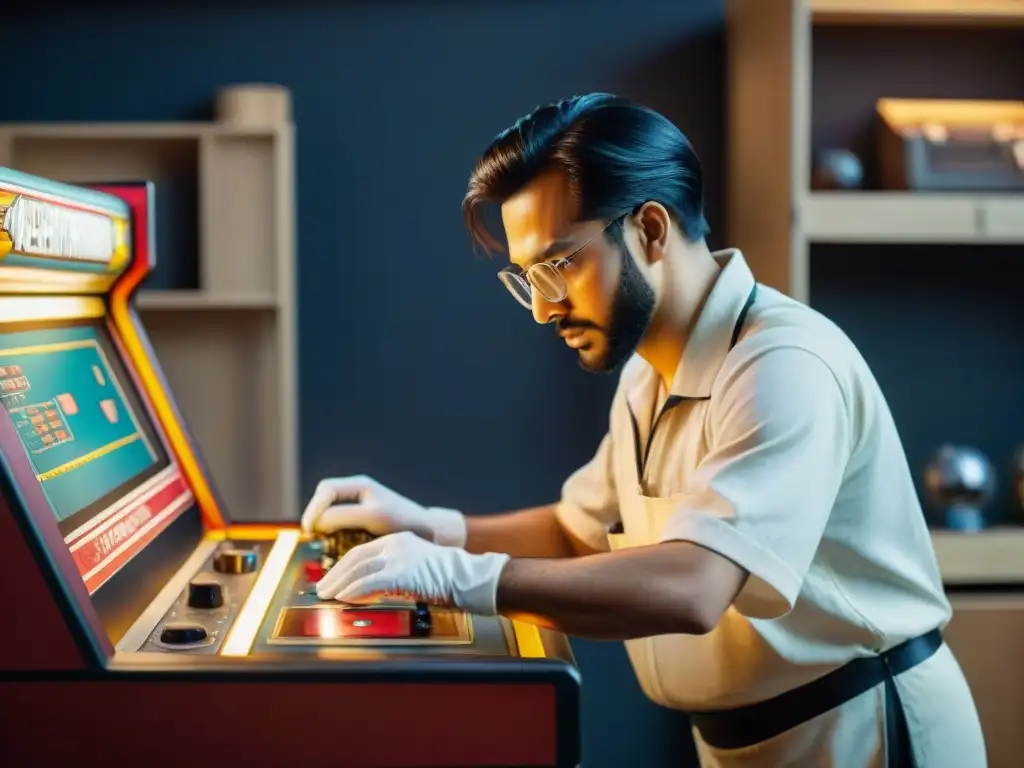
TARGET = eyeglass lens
x,y
544,277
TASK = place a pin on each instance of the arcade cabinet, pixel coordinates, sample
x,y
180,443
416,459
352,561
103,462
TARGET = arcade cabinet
x,y
141,623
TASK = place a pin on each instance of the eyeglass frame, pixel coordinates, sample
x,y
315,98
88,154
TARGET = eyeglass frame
x,y
523,276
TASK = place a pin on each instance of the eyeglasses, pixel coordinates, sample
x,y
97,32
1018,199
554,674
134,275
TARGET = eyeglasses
x,y
545,276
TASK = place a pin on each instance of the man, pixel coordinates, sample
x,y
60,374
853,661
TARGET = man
x,y
748,525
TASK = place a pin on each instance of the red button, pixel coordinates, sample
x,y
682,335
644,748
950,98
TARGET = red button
x,y
314,571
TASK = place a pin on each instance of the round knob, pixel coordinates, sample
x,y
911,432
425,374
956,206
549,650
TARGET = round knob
x,y
182,634
235,561
204,591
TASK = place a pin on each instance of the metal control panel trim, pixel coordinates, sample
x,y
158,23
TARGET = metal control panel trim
x,y
148,620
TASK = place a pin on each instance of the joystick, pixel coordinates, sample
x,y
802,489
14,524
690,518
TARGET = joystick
x,y
337,543
421,620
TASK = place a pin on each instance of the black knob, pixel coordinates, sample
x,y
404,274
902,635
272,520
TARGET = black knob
x,y
182,634
422,621
235,561
204,591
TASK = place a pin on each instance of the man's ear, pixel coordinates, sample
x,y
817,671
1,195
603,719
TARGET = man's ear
x,y
653,224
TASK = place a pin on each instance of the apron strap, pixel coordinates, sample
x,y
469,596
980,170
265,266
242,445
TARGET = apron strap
x,y
898,751
752,724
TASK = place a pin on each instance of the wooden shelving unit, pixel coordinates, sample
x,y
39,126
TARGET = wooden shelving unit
x,y
918,12
770,207
913,217
988,557
228,345
168,301
772,212
775,218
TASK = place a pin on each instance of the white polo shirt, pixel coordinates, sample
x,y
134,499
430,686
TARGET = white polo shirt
x,y
777,450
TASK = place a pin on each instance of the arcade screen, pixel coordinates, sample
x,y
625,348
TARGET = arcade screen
x,y
78,416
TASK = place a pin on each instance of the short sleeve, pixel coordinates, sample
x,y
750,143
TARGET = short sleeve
x,y
589,504
780,434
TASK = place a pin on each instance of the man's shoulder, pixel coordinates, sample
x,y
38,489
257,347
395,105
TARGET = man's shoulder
x,y
798,350
778,322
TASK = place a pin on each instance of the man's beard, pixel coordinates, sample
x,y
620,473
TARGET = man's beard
x,y
631,315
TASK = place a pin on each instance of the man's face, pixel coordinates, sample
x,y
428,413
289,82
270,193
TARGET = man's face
x,y
609,303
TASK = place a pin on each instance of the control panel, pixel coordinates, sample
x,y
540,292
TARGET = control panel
x,y
202,614
198,609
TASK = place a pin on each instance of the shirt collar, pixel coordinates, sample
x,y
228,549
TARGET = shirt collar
x,y
712,336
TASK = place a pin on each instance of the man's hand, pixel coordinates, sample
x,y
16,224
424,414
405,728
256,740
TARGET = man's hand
x,y
406,565
362,502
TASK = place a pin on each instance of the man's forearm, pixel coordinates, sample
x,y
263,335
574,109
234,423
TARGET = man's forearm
x,y
666,588
532,532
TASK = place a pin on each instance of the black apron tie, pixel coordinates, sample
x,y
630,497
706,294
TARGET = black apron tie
x,y
755,723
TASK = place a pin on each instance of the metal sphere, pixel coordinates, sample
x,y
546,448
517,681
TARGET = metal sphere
x,y
959,480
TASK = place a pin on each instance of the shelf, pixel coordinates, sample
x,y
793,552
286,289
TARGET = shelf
x,y
799,82
202,300
919,12
913,217
995,556
147,131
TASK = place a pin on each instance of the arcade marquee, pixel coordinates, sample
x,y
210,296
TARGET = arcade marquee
x,y
141,622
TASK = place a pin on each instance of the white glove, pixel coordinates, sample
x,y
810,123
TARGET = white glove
x,y
406,565
362,502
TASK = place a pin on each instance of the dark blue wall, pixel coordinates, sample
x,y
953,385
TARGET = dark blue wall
x,y
416,366
943,330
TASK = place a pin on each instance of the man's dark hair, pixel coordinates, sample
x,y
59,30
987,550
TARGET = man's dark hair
x,y
616,155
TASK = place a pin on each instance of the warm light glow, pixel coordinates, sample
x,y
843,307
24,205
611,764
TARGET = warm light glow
x,y
255,531
328,624
30,280
531,646
247,625
24,309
